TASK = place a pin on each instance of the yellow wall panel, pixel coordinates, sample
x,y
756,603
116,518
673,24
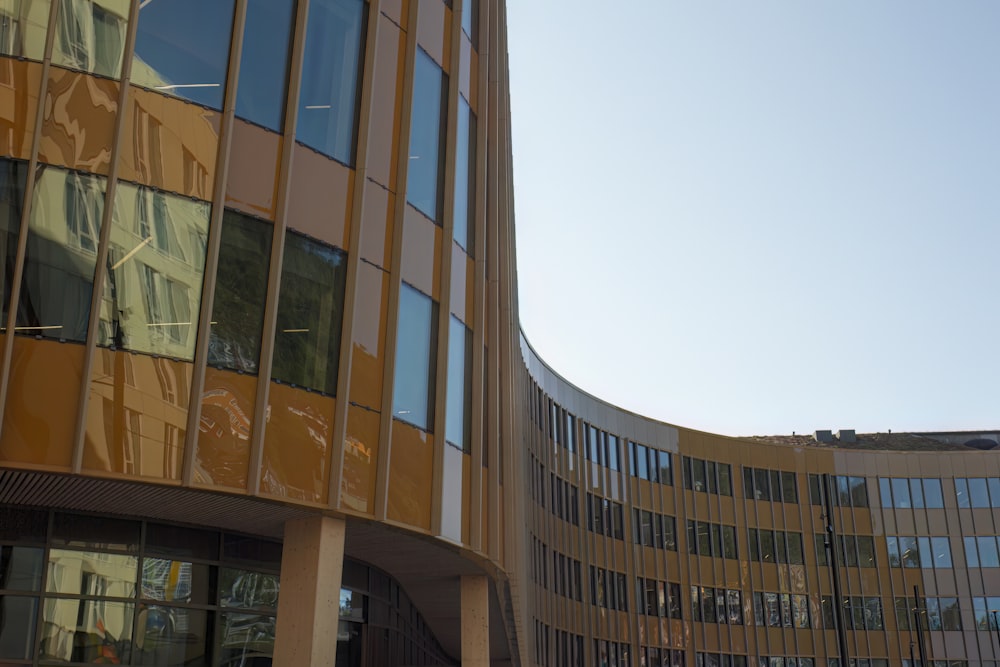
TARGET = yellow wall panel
x,y
79,121
296,459
222,456
253,170
43,402
369,336
357,490
411,469
319,203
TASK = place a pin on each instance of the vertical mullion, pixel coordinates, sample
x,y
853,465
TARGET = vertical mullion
x,y
100,269
22,234
392,307
353,258
277,249
212,248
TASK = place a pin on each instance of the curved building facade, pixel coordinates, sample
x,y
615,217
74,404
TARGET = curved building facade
x,y
265,399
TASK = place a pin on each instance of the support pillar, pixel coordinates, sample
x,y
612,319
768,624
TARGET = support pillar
x,y
475,621
312,562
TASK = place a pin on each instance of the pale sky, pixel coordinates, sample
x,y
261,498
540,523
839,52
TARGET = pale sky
x,y
763,216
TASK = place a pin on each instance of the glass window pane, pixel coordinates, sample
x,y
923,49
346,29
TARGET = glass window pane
x,y
762,484
994,484
61,254
978,492
894,555
971,552
789,490
310,314
424,178
260,95
95,532
470,19
725,480
175,581
926,558
240,292
246,639
866,551
641,462
885,491
182,48
12,180
458,422
933,498
917,493
988,556
859,491
962,492
465,177
941,549
23,28
20,568
181,541
167,636
91,573
152,295
908,553
246,589
901,493
794,544
17,631
100,631
90,35
331,77
666,472
416,353
766,546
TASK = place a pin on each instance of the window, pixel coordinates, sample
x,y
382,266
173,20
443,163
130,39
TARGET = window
x,y
654,530
710,539
470,20
310,314
12,181
424,177
658,598
917,493
240,292
844,491
416,353
781,610
716,605
919,552
267,35
775,546
90,36
458,420
465,177
978,492
707,476
985,612
331,78
22,28
182,49
982,551
773,485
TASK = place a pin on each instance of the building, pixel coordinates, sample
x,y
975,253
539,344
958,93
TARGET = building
x,y
260,332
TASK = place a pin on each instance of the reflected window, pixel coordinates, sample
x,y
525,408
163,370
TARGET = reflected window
x,y
61,254
458,423
156,262
240,293
424,182
182,48
260,96
90,35
23,25
416,359
310,314
470,20
465,178
12,180
331,78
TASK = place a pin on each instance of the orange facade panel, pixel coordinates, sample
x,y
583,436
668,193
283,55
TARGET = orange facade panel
x,y
320,197
222,457
78,121
41,411
136,414
376,225
368,355
254,156
357,486
296,460
387,89
434,32
411,472
463,272
20,87
421,265
169,144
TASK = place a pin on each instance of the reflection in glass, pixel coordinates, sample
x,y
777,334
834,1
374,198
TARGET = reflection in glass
x,y
424,180
465,178
458,424
156,261
247,589
61,254
240,291
88,631
331,77
246,639
95,532
260,95
182,48
12,180
310,314
17,629
169,636
23,24
470,20
416,358
90,35
175,581
91,573
20,568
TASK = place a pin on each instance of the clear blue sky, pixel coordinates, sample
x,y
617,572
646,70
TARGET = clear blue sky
x,y
763,217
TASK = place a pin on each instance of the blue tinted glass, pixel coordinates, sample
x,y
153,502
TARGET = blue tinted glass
x,y
465,177
901,492
458,429
961,492
885,491
988,555
260,97
423,184
933,497
416,353
971,553
978,493
994,484
470,19
331,77
182,48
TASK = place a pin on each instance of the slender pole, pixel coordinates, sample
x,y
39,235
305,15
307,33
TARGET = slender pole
x,y
920,629
913,662
832,552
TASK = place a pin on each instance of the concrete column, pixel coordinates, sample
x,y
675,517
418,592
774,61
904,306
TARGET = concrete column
x,y
475,622
312,562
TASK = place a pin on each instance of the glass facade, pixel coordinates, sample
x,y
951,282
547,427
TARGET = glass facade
x,y
425,177
90,35
267,37
416,359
